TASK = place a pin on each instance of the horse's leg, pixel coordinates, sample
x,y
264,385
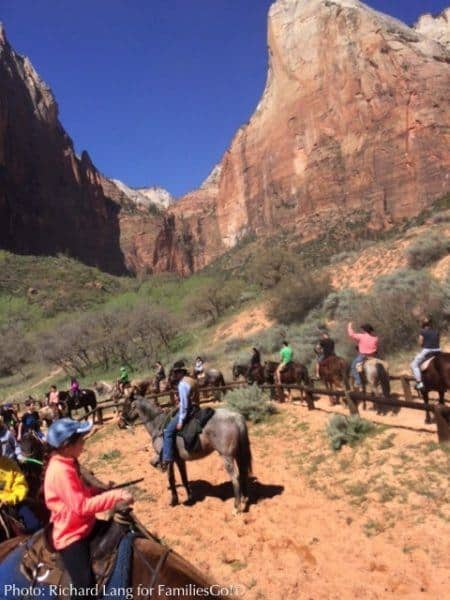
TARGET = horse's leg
x,y
427,407
172,486
233,472
181,464
442,396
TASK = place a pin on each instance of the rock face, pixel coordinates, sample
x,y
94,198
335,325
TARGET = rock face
x,y
437,28
354,119
50,200
146,198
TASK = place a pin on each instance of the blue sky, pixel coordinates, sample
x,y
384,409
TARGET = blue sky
x,y
155,89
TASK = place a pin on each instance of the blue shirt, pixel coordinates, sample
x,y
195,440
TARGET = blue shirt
x,y
183,391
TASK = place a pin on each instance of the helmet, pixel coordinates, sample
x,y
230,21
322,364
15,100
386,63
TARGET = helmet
x,y
63,429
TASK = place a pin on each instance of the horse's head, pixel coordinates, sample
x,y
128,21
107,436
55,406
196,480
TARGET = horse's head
x,y
32,446
175,376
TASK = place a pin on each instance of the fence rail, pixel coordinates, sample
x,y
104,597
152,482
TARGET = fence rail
x,y
351,399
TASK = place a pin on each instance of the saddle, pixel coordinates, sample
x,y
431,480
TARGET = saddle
x,y
372,360
194,426
429,359
42,563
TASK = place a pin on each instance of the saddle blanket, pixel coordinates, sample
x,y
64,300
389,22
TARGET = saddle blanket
x,y
14,584
193,428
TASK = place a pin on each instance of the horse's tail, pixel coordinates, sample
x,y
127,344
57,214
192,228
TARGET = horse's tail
x,y
383,378
221,381
92,399
244,457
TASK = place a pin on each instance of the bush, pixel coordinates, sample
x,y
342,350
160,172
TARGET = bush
x,y
347,430
296,297
394,308
272,265
427,250
251,403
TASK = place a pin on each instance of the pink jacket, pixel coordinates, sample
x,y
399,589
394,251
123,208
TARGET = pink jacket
x,y
72,504
367,344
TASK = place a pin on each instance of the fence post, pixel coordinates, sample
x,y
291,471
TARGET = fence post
x,y
353,408
406,389
99,416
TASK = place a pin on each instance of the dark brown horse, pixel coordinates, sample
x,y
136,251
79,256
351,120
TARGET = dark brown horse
x,y
154,567
294,373
334,371
436,377
253,374
86,399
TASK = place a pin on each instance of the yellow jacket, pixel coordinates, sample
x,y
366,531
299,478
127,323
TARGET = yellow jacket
x,y
13,486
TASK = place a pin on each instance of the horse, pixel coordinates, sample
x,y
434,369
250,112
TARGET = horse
x,y
375,375
252,374
334,371
86,399
154,567
212,378
435,377
295,373
35,452
225,432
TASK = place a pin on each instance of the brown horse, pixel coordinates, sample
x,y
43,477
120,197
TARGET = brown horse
x,y
436,377
334,371
154,567
253,374
294,373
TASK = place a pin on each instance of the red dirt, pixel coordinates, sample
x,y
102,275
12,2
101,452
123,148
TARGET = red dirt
x,y
323,527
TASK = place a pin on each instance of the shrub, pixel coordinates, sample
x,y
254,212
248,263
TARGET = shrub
x,y
271,265
296,297
347,430
251,403
427,250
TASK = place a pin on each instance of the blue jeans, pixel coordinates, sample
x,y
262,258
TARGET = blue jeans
x,y
355,374
418,360
169,439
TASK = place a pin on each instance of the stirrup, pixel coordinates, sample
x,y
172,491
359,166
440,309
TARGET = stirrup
x,y
165,464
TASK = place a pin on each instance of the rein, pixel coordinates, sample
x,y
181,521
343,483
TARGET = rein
x,y
35,461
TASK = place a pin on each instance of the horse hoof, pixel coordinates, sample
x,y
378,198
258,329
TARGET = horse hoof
x,y
174,502
189,501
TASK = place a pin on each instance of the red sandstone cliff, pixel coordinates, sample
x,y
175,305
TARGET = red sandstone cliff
x,y
355,116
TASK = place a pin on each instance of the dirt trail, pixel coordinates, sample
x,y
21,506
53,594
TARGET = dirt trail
x,y
323,525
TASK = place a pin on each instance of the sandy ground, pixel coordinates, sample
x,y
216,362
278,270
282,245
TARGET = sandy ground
x,y
365,522
246,323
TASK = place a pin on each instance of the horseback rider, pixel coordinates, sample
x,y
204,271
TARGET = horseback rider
x,y
10,417
188,397
74,390
13,492
160,375
54,402
73,504
10,447
30,420
324,349
124,379
199,368
255,362
367,348
286,356
430,343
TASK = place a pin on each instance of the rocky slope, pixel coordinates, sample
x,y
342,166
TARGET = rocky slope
x,y
354,118
146,198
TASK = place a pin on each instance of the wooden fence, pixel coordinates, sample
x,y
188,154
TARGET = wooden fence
x,y
351,399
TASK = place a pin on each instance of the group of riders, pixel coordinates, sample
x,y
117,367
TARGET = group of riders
x,y
72,503
367,343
